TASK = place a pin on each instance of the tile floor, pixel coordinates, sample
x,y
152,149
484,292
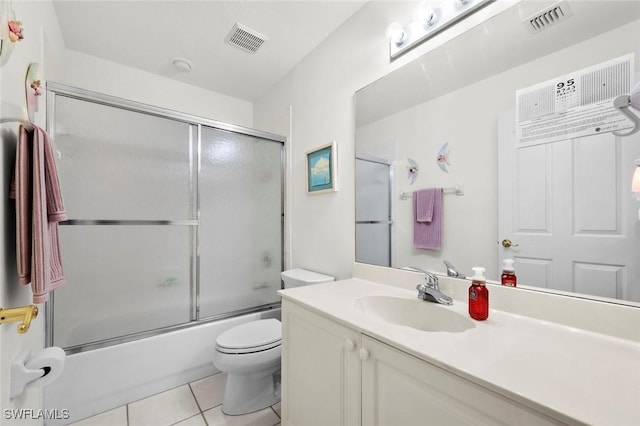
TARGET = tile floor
x,y
194,404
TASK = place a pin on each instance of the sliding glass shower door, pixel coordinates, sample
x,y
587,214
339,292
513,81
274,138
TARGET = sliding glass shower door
x,y
170,221
127,248
373,211
240,222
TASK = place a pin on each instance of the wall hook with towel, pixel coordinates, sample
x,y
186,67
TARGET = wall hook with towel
x,y
457,190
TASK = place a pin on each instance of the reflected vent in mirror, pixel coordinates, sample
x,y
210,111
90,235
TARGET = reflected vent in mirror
x,y
548,17
245,38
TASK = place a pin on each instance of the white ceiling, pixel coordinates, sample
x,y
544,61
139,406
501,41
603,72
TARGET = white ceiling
x,y
148,34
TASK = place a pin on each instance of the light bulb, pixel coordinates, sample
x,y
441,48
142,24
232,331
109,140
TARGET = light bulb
x,y
396,34
425,15
635,183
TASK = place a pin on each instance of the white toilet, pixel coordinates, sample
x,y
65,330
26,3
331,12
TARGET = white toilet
x,y
250,355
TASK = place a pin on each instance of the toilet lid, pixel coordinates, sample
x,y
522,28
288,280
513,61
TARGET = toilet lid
x,y
252,336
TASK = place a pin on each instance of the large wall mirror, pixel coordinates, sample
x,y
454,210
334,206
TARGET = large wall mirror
x,y
566,207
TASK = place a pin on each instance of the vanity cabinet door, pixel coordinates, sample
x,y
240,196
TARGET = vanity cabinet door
x,y
400,389
320,370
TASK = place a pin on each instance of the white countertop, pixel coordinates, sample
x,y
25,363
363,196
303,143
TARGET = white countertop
x,y
568,373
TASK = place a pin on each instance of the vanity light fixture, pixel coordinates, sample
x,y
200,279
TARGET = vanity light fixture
x,y
428,20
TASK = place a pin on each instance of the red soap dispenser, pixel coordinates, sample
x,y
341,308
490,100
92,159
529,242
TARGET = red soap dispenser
x,y
478,295
508,277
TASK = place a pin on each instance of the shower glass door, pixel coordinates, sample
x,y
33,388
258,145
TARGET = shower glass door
x,y
171,219
128,246
240,222
373,211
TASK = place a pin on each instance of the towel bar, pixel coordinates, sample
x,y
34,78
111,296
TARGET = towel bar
x,y
458,190
23,314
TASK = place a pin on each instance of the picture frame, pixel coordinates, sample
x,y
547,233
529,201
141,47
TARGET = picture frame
x,y
321,169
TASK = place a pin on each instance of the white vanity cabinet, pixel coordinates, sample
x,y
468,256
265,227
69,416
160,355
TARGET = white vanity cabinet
x,y
400,389
320,370
334,375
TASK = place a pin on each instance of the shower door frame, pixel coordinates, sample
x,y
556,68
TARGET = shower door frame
x,y
196,124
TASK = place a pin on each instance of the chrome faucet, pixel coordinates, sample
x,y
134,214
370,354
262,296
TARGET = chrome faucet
x,y
430,290
452,271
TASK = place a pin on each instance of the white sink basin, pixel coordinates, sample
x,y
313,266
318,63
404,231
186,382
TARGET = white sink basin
x,y
414,313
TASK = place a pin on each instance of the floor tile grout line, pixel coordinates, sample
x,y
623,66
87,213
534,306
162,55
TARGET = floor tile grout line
x,y
204,419
274,410
198,404
197,414
194,397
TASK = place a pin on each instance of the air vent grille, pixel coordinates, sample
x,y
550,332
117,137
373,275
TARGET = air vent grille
x,y
245,38
550,16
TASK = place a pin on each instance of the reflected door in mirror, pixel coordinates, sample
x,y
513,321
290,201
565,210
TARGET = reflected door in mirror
x,y
569,208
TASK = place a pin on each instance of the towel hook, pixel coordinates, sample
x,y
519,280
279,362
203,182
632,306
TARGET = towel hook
x,y
23,314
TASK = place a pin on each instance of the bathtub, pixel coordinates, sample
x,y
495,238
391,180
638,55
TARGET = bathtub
x,y
102,379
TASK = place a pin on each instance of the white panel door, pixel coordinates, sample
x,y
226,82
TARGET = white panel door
x,y
568,210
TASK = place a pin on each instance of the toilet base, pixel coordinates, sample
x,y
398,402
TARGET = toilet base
x,y
246,393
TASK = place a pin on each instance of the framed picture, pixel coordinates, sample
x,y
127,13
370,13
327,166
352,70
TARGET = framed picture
x,y
321,169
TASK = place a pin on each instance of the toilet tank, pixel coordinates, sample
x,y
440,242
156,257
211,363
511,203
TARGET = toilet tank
x,y
299,277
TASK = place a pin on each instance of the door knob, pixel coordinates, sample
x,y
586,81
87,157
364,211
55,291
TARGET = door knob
x,y
507,243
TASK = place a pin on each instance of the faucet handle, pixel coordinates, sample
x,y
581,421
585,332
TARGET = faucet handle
x,y
422,291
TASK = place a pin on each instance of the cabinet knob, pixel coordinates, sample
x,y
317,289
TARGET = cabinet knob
x,y
350,345
364,354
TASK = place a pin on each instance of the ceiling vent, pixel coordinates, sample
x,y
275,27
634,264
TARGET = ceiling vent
x,y
245,38
548,17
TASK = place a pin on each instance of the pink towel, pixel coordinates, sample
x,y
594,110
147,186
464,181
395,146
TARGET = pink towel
x,y
427,225
39,208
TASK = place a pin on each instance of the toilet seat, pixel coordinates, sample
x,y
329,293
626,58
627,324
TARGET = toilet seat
x,y
251,337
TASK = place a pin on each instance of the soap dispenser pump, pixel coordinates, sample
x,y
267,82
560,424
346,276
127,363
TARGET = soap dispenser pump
x,y
478,295
508,277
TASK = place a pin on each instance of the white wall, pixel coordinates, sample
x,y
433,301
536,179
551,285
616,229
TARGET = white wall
x,y
95,74
320,91
42,36
44,44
